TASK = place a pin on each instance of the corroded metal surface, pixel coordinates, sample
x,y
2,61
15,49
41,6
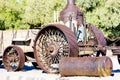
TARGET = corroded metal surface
x,y
85,66
52,43
95,36
90,37
71,11
100,40
95,41
13,58
98,34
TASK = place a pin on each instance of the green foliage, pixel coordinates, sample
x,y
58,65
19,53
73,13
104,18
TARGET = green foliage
x,y
105,14
25,14
11,12
39,12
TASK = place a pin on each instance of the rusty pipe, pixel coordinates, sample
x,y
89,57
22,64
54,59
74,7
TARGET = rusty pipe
x,y
85,66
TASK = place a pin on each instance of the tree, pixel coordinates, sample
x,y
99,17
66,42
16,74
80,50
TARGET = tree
x,y
105,14
40,13
10,14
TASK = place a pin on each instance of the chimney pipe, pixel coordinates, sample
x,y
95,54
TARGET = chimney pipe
x,y
70,2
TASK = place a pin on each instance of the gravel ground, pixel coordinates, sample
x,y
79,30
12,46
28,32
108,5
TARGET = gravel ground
x,y
30,73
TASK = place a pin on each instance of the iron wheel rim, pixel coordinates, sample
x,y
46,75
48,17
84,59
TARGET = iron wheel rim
x,y
13,58
60,44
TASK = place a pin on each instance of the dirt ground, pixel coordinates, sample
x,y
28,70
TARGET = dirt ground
x,y
30,73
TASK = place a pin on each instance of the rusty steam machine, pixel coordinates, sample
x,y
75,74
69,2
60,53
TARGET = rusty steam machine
x,y
72,37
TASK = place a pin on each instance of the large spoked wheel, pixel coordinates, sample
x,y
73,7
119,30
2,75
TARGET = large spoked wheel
x,y
52,43
13,58
118,56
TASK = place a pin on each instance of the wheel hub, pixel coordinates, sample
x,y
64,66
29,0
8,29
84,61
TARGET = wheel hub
x,y
53,48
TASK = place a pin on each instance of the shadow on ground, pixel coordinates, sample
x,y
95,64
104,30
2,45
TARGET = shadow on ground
x,y
25,68
28,68
116,71
2,66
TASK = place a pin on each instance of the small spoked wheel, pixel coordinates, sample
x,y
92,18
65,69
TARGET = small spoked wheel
x,y
118,56
13,58
51,44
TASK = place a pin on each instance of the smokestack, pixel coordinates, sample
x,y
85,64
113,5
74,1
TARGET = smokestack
x,y
70,2
71,10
